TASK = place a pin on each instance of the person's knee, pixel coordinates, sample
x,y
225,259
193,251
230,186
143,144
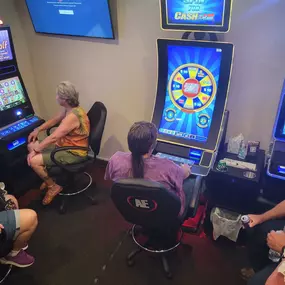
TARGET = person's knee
x,y
33,218
28,219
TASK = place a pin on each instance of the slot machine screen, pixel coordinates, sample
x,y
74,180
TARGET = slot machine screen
x,y
279,128
11,93
5,47
196,15
193,77
192,91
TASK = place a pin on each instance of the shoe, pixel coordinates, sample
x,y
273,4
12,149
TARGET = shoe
x,y
25,247
51,193
22,259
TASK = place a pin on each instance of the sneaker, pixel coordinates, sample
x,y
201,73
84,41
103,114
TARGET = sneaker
x,y
25,247
22,259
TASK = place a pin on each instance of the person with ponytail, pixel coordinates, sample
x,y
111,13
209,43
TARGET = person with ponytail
x,y
140,163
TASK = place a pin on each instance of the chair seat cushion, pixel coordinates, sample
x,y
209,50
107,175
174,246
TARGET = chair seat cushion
x,y
72,168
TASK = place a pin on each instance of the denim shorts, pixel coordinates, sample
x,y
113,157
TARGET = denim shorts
x,y
11,222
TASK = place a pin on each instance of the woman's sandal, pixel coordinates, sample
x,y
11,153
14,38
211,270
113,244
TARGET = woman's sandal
x,y
51,193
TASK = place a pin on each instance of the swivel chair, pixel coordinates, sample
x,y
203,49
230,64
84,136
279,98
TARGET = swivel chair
x,y
70,175
153,211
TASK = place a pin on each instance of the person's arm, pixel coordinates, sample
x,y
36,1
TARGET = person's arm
x,y
52,122
48,124
275,213
67,125
276,278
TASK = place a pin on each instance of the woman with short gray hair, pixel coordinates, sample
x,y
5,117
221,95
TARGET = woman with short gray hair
x,y
73,130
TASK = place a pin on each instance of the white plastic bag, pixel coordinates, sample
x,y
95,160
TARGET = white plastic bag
x,y
235,143
226,223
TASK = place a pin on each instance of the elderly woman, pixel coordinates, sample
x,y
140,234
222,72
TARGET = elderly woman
x,y
73,130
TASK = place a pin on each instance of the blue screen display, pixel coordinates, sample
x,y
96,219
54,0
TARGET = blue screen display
x,y
193,78
195,12
89,18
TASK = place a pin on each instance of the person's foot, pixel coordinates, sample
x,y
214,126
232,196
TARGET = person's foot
x,y
25,247
247,273
22,259
43,186
51,193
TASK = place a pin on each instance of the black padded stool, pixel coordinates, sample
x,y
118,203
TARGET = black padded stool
x,y
153,211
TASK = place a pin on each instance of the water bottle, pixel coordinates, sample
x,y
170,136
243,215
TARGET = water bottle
x,y
274,255
242,151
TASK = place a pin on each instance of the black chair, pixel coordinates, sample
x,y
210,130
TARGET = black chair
x,y
153,211
71,175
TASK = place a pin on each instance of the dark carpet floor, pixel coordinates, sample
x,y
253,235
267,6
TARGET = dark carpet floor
x,y
89,244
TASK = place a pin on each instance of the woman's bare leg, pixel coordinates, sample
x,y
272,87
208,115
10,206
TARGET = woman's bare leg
x,y
38,166
28,224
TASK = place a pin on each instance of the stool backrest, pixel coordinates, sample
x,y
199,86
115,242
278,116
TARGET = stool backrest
x,y
97,116
146,203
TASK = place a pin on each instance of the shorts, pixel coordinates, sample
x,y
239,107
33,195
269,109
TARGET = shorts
x,y
11,222
64,157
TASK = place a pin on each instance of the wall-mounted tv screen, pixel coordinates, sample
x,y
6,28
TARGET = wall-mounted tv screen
x,y
86,18
196,15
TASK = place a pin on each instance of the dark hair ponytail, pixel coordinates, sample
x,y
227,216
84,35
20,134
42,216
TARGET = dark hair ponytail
x,y
141,138
137,166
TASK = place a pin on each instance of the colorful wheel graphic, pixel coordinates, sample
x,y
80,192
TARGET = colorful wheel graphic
x,y
192,88
170,115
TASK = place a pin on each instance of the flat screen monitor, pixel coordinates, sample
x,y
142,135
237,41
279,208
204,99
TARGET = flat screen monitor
x,y
87,18
279,128
5,46
192,91
196,15
11,93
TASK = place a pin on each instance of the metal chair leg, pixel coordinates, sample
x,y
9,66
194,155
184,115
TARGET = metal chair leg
x,y
131,256
6,275
166,268
62,208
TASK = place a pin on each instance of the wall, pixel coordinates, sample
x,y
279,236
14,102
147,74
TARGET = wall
x,y
259,67
10,17
123,73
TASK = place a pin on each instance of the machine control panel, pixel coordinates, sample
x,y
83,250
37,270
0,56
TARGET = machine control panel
x,y
176,159
19,125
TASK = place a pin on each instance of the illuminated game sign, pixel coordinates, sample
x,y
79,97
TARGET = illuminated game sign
x,y
11,93
193,74
5,48
204,15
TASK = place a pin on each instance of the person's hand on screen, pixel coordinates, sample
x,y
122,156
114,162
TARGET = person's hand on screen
x,y
255,220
